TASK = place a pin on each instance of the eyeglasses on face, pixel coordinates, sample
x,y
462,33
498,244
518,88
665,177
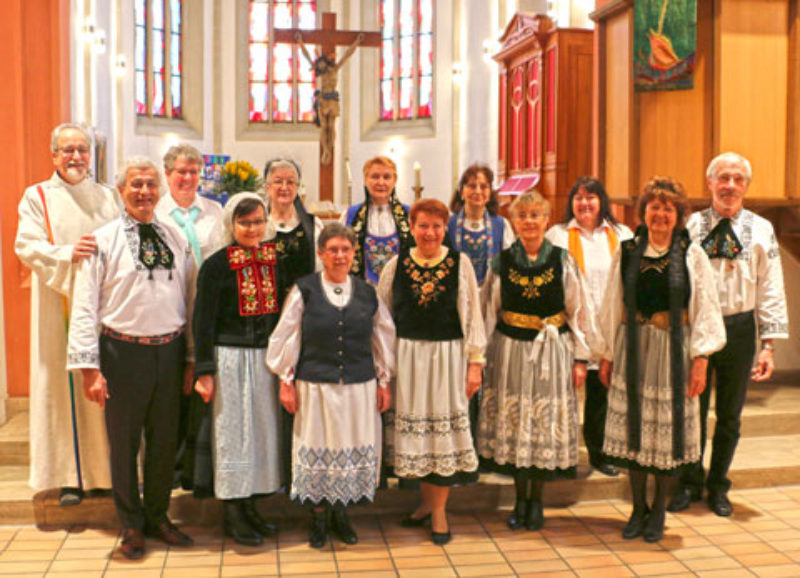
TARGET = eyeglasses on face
x,y
247,223
70,151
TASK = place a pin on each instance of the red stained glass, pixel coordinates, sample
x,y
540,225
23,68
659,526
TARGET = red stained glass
x,y
282,105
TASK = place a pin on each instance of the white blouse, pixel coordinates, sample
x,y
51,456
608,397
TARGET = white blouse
x,y
577,304
285,343
468,301
752,281
380,220
706,328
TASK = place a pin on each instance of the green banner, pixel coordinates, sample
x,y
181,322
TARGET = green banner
x,y
664,44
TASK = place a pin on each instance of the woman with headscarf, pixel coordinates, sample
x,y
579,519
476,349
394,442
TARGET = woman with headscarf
x,y
334,352
235,312
380,222
660,320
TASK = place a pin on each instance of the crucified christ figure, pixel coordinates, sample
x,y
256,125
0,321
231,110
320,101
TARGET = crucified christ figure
x,y
326,97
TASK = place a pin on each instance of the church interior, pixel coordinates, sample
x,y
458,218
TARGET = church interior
x,y
543,91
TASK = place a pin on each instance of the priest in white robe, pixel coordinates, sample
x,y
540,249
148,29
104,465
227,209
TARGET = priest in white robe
x,y
56,218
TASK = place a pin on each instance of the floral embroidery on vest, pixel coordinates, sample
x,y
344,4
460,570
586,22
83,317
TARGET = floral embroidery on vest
x,y
255,274
531,284
426,284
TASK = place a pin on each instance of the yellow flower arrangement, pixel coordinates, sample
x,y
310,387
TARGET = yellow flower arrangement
x,y
238,176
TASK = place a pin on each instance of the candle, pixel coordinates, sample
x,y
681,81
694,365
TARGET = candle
x,y
349,174
417,175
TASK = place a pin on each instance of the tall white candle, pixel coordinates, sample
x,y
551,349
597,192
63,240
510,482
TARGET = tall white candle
x,y
417,175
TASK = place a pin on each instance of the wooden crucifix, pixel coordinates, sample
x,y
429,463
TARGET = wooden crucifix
x,y
326,67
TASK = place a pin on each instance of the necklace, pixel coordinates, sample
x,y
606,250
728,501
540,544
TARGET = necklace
x,y
658,250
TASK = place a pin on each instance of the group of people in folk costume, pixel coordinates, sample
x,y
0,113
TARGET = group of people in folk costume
x,y
469,333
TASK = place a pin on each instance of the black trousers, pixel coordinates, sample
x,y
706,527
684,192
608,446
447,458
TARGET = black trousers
x,y
731,366
144,388
594,417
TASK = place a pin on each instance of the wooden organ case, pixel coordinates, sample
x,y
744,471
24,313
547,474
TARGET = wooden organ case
x,y
545,117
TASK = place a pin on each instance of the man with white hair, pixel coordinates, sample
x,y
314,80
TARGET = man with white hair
x,y
68,444
746,261
128,336
199,218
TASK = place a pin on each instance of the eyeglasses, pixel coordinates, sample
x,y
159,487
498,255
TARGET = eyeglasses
x,y
70,151
278,183
141,185
246,224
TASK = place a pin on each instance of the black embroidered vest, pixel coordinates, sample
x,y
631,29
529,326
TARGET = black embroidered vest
x,y
652,286
535,290
293,248
425,300
336,341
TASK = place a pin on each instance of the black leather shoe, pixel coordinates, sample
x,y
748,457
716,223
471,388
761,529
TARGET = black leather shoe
x,y
517,518
636,524
132,546
535,518
70,497
609,470
340,525
168,533
441,538
255,520
720,504
318,536
654,527
683,498
411,522
236,525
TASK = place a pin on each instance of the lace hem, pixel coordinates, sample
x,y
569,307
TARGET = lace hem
x,y
420,465
347,475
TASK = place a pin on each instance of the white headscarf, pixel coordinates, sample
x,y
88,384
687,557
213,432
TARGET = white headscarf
x,y
230,207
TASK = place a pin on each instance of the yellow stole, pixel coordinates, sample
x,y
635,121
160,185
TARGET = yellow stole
x,y
576,247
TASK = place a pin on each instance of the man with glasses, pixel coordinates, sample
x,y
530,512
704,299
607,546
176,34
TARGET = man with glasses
x,y
746,261
56,218
133,299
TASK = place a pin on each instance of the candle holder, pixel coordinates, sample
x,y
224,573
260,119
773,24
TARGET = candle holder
x,y
417,192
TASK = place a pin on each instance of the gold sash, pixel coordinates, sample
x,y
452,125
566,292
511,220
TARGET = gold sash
x,y
533,321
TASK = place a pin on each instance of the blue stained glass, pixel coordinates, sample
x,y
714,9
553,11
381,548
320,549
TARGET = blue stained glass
x,y
157,7
177,97
259,29
175,56
139,49
175,15
158,51
139,17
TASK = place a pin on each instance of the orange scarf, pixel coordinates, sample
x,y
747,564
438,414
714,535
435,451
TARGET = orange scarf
x,y
576,247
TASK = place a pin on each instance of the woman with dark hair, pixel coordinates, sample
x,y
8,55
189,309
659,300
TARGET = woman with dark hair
x,y
293,227
475,228
538,310
591,234
334,391
380,222
660,320
235,311
433,295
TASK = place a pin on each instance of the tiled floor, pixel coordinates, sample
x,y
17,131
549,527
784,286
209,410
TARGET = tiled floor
x,y
761,539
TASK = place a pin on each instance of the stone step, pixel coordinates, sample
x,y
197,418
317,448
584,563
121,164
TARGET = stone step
x,y
760,462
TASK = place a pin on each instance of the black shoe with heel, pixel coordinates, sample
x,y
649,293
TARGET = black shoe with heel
x,y
236,526
636,524
255,520
340,525
318,536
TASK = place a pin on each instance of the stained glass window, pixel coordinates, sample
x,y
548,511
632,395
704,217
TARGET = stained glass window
x,y
281,82
406,59
158,58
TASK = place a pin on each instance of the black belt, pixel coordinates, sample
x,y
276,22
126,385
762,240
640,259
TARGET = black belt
x,y
737,318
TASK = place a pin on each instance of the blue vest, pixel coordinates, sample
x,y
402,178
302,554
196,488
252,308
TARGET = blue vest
x,y
337,341
475,246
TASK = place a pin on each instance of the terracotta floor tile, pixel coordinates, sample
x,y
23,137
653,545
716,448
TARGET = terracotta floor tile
x,y
781,545
80,574
27,556
236,559
671,543
88,554
577,540
365,565
727,573
694,553
531,555
740,538
478,558
645,557
579,551
374,574
792,570
129,573
404,551
193,561
763,559
249,571
356,553
562,574
198,572
750,548
77,565
609,572
470,547
777,535
711,564
540,566
422,562
23,567
427,573
598,561
307,568
311,555
22,545
104,542
657,568
151,562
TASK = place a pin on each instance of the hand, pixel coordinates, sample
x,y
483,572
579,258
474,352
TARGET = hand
x,y
384,399
579,371
85,247
697,376
604,373
765,365
95,387
288,396
188,378
474,378
205,387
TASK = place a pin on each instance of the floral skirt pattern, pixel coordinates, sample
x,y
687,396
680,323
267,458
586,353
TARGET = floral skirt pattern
x,y
655,393
529,414
431,422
